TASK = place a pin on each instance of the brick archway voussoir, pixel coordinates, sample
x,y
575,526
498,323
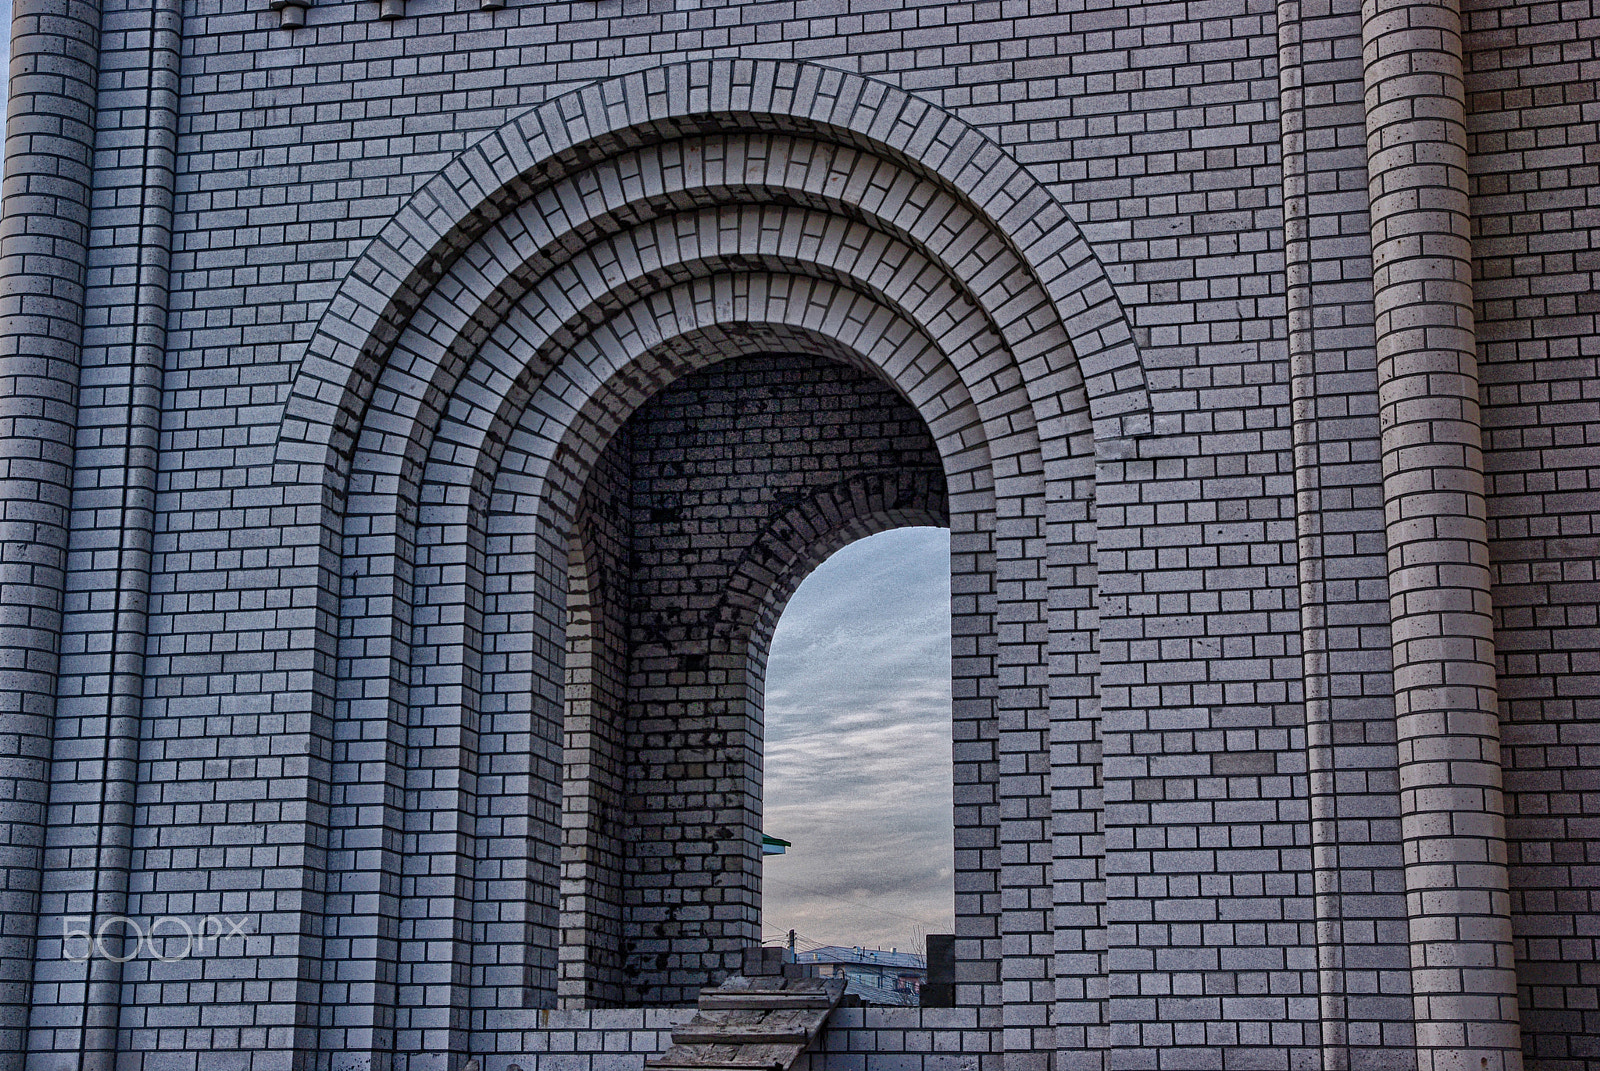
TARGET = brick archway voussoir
x,y
527,346
451,210
597,415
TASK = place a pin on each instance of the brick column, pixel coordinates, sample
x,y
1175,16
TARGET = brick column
x,y
1452,819
43,238
88,855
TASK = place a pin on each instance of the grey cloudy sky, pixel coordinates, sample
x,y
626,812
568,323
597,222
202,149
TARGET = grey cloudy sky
x,y
857,770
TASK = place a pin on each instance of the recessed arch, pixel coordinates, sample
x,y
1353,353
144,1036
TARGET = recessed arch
x,y
523,491
494,368
729,696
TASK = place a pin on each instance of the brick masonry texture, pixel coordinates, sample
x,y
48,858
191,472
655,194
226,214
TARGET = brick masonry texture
x,y
413,428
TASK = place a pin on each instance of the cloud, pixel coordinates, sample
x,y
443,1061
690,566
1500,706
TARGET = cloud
x,y
857,757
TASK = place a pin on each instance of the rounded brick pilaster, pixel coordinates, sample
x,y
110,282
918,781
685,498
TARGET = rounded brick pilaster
x,y
1452,824
43,238
94,771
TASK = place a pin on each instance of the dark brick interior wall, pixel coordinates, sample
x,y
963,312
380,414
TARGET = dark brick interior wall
x,y
593,843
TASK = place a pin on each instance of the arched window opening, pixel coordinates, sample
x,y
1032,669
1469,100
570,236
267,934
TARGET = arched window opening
x,y
694,528
857,767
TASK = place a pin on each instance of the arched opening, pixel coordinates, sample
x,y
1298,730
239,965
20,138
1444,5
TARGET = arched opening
x,y
857,772
714,501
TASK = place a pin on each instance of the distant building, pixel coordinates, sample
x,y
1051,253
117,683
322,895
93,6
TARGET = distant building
x,y
873,974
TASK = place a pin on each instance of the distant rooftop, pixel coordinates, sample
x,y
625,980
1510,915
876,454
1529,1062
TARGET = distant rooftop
x,y
876,956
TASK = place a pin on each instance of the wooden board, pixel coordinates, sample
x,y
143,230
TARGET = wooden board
x,y
770,994
726,1057
789,1025
739,983
752,1024
720,1001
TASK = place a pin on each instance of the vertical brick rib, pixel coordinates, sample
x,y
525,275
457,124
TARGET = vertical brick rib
x,y
1364,998
43,237
107,586
1314,642
1452,818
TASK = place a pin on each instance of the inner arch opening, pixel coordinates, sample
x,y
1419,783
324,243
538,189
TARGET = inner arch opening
x,y
857,764
701,517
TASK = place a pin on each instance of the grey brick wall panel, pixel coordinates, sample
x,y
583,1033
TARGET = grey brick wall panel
x,y
433,387
1533,142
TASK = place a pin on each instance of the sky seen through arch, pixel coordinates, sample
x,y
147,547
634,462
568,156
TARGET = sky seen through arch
x,y
857,757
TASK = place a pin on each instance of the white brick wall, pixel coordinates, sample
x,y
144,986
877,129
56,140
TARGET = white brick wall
x,y
302,405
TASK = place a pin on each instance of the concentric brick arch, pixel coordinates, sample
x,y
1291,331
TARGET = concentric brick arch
x,y
452,212
482,416
461,385
535,487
